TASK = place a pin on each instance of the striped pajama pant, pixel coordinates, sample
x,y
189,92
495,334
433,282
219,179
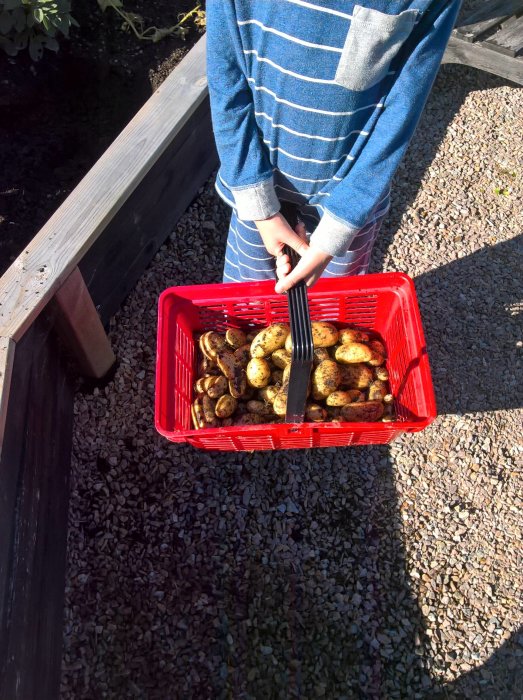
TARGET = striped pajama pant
x,y
247,259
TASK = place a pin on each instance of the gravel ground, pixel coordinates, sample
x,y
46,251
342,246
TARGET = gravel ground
x,y
369,572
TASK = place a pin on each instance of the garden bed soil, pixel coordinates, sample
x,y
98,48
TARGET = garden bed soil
x,y
59,115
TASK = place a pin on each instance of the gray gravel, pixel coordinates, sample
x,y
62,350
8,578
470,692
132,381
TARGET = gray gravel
x,y
370,572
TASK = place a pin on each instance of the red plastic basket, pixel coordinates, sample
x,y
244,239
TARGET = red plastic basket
x,y
384,303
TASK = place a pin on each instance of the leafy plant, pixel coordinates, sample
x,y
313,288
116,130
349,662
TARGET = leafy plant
x,y
135,22
505,191
33,24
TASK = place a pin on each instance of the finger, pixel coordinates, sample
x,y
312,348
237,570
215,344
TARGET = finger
x,y
296,243
301,230
283,270
282,260
300,272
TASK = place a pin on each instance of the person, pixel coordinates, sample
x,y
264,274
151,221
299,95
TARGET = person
x,y
313,105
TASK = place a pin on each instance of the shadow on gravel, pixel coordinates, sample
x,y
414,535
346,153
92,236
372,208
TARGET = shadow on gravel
x,y
475,361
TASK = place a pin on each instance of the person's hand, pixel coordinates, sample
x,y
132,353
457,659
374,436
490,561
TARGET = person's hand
x,y
309,268
276,233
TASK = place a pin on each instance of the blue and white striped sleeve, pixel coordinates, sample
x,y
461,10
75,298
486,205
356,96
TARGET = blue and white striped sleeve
x,y
244,163
355,197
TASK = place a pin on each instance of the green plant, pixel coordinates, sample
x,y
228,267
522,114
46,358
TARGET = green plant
x,y
135,22
33,24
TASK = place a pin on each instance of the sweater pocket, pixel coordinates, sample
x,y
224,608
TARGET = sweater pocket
x,y
374,39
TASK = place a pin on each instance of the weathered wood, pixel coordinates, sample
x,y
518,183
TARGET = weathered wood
x,y
7,355
34,490
117,260
46,263
484,58
508,40
488,17
80,328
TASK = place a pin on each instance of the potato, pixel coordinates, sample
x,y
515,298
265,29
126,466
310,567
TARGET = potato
x,y
288,343
233,371
364,412
197,416
235,338
339,398
211,343
280,404
270,339
325,379
251,419
352,335
378,347
357,376
217,388
208,406
281,358
381,373
250,336
356,395
227,422
277,377
388,398
377,390
315,413
258,372
206,366
259,407
268,393
351,353
225,406
320,354
376,359
243,355
324,334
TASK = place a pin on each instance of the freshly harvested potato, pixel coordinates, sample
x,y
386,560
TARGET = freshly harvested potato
x,y
352,353
356,395
339,398
288,343
251,419
250,336
225,406
325,379
324,334
211,343
277,376
364,412
217,388
315,413
258,372
208,406
357,376
388,399
381,373
376,359
352,335
233,371
378,347
197,416
243,355
270,339
259,407
206,366
227,422
235,338
268,393
320,354
377,390
281,358
280,403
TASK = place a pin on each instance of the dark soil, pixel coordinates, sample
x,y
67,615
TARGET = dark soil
x,y
57,116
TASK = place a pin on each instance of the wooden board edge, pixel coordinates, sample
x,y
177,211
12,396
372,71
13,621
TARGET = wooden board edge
x,y
7,358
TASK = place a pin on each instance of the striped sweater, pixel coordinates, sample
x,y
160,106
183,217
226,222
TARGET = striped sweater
x,y
315,102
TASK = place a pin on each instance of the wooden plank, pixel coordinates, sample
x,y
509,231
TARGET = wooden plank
x,y
509,40
488,17
34,492
117,260
80,328
40,270
7,356
482,57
